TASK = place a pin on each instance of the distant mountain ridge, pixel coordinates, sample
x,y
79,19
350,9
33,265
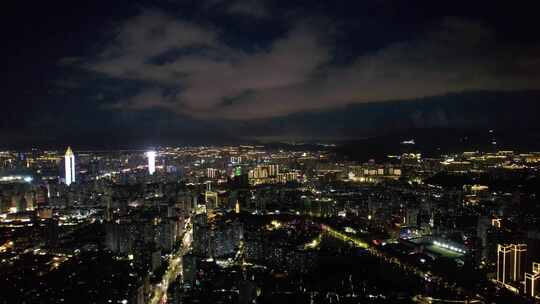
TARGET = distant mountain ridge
x,y
434,142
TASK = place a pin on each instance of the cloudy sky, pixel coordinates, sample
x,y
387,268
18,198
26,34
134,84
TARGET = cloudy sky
x,y
203,71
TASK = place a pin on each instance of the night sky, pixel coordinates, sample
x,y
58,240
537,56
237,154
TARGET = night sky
x,y
212,71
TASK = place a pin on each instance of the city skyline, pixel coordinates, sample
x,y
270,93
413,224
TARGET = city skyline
x,y
270,151
170,225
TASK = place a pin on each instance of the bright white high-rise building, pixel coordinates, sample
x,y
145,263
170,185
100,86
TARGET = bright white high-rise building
x,y
151,161
70,166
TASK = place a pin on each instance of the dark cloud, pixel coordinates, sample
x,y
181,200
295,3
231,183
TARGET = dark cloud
x,y
246,8
458,56
210,76
254,8
295,73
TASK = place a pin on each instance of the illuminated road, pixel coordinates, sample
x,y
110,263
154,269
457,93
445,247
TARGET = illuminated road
x,y
374,251
430,300
345,237
174,270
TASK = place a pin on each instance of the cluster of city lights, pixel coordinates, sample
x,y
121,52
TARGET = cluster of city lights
x,y
449,247
16,178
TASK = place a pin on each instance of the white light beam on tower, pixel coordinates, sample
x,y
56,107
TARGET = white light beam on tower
x,y
70,166
151,162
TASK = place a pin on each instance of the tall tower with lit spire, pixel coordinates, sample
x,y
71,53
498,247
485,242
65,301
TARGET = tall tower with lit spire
x,y
151,162
70,166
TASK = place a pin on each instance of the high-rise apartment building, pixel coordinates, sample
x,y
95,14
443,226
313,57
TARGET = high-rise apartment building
x,y
520,258
532,281
510,259
211,173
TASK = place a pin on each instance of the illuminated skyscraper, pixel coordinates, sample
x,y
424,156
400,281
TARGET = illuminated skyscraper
x,y
273,170
532,281
211,173
510,259
237,171
151,162
520,251
211,199
70,166
504,262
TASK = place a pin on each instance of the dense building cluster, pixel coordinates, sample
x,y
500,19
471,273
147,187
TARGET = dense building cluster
x,y
238,224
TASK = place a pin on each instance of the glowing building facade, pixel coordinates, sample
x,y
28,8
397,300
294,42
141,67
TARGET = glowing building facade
x,y
532,281
69,166
151,162
211,199
520,258
510,259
